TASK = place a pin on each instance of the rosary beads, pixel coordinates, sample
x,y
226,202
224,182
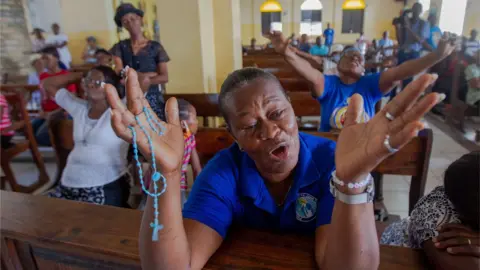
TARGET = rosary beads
x,y
159,129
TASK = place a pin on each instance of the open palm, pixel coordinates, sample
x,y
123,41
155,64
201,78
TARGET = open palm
x,y
168,148
360,147
279,42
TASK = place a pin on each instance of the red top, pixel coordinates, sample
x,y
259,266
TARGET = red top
x,y
48,102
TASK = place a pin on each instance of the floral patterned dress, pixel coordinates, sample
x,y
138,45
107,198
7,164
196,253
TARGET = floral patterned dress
x,y
429,213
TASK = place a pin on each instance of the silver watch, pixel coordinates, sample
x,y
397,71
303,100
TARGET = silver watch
x,y
365,197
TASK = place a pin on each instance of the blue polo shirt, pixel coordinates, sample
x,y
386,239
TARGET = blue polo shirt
x,y
230,190
336,96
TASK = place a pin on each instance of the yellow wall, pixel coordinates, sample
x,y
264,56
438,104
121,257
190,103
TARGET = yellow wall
x,y
472,17
97,21
378,18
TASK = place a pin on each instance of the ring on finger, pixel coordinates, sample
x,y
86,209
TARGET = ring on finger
x,y
389,116
386,142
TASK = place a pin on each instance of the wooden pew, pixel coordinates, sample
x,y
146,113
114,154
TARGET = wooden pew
x,y
19,113
207,104
40,233
412,160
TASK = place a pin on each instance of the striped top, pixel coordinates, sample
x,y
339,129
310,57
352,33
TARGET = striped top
x,y
5,122
187,153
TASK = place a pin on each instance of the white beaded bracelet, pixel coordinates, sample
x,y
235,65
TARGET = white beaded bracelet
x,y
360,184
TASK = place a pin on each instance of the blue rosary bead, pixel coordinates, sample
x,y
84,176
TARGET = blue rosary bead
x,y
156,176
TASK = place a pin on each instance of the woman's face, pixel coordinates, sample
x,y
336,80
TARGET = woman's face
x,y
192,121
351,63
132,22
51,62
263,122
92,85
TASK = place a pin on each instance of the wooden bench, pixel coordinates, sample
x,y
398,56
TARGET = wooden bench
x,y
412,160
40,233
207,104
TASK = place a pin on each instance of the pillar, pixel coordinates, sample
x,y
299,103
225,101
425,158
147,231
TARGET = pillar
x,y
203,40
228,38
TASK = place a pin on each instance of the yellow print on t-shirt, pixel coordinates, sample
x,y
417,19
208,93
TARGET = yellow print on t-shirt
x,y
337,119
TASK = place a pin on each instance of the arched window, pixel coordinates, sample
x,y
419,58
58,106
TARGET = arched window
x,y
271,12
352,16
311,23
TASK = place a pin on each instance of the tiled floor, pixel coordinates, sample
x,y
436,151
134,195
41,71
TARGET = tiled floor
x,y
395,188
395,191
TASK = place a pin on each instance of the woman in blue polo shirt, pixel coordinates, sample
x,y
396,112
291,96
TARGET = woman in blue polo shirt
x,y
334,92
273,177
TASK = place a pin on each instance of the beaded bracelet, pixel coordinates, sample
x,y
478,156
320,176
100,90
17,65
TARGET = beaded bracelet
x,y
156,176
351,185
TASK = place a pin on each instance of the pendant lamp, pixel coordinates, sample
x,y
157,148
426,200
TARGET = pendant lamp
x,y
353,4
271,6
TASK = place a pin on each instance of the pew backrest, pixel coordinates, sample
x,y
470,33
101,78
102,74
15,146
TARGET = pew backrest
x,y
412,160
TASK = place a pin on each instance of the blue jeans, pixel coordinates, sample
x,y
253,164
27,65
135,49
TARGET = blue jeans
x,y
402,58
40,131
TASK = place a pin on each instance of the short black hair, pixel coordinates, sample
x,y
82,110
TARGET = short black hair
x,y
102,51
184,108
112,78
238,79
462,184
50,50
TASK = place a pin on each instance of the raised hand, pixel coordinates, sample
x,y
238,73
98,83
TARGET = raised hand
x,y
361,147
168,148
279,42
446,45
458,239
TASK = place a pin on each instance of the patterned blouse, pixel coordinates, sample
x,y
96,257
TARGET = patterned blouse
x,y
190,144
146,60
429,213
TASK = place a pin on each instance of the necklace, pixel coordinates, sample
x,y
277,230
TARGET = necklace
x,y
87,129
286,194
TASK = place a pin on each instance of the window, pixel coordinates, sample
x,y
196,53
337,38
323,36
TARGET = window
x,y
271,21
311,22
426,7
452,15
352,21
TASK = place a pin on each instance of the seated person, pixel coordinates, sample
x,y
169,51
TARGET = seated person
x,y
96,167
273,178
334,91
188,120
304,46
49,107
319,49
104,58
472,75
7,129
445,223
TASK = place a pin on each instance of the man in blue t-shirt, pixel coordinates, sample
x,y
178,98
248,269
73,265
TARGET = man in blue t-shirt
x,y
319,49
435,31
333,92
415,33
328,34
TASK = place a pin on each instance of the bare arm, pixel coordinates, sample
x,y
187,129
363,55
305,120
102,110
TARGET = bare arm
x,y
315,61
182,244
301,65
442,260
195,161
413,67
161,76
55,83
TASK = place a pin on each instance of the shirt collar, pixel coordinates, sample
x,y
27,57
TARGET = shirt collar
x,y
252,184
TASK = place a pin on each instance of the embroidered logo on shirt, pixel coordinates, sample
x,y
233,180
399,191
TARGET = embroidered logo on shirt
x,y
337,119
306,208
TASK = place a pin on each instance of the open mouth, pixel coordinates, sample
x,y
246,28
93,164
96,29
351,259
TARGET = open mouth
x,y
280,152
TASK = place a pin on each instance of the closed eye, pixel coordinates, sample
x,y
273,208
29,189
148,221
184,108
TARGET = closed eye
x,y
276,114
